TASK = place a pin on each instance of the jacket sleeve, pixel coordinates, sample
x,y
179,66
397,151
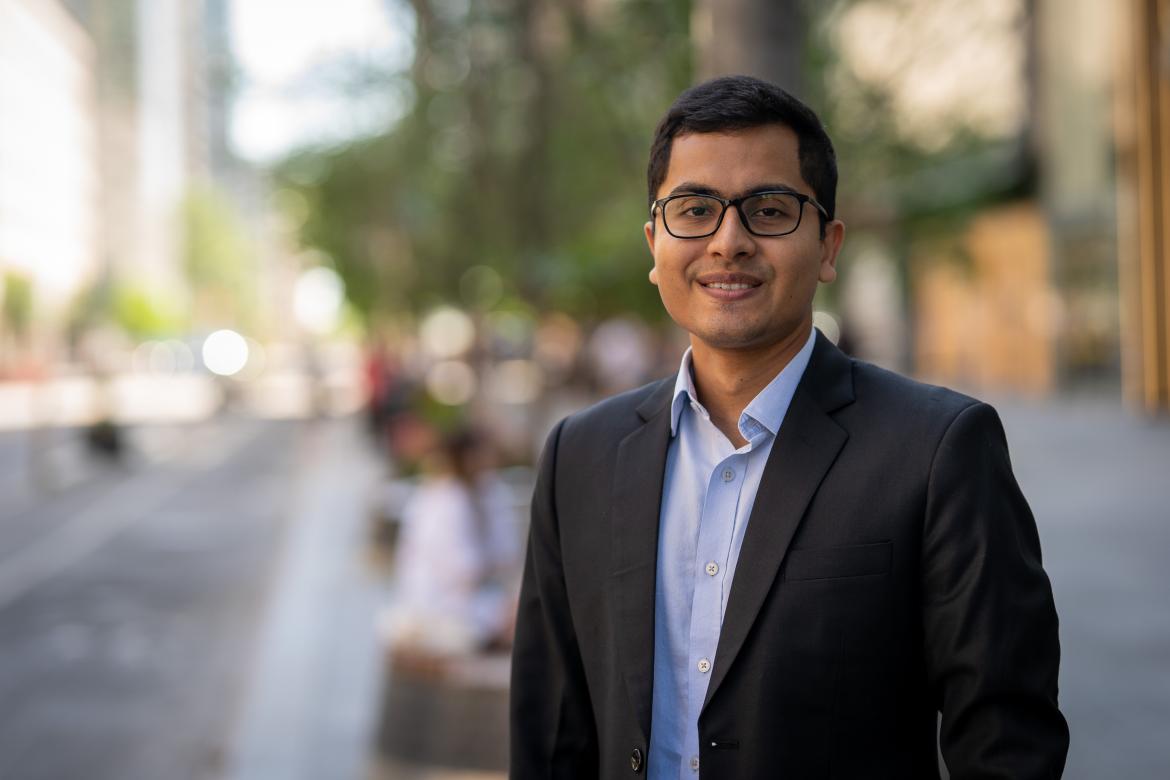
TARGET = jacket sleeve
x,y
552,729
992,649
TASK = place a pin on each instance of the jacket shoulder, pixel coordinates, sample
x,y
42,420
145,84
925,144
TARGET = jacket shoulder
x,y
895,392
612,419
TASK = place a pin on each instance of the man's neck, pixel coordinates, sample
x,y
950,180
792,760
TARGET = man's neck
x,y
726,381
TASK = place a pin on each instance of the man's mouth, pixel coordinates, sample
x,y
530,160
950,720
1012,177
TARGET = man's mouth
x,y
728,286
730,282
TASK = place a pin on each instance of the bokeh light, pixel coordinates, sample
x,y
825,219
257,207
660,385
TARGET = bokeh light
x,y
516,381
451,382
446,332
225,352
317,299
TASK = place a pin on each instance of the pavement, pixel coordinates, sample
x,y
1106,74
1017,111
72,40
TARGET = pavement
x,y
314,677
1098,480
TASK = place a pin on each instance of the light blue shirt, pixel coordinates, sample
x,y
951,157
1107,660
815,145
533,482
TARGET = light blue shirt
x,y
707,496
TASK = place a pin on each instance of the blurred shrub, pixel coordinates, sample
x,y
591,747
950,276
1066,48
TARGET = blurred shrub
x,y
143,314
17,303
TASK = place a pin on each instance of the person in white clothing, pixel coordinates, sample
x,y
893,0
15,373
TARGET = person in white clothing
x,y
456,565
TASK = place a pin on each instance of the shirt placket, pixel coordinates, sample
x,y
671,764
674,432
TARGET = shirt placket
x,y
716,527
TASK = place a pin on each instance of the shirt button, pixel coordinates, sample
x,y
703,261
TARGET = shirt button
x,y
704,665
712,568
728,475
694,763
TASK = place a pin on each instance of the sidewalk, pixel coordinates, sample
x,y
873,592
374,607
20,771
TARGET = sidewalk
x,y
310,710
1098,481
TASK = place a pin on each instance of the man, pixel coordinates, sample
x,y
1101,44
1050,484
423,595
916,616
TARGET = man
x,y
782,563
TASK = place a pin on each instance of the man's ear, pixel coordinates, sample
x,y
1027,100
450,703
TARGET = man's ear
x,y
830,248
648,229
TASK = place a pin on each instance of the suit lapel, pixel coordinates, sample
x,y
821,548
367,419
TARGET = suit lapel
x,y
807,443
634,510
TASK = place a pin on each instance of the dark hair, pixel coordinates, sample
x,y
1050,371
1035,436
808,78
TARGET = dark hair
x,y
460,446
737,103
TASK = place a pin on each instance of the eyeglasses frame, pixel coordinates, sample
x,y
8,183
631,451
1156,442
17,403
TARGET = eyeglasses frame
x,y
659,205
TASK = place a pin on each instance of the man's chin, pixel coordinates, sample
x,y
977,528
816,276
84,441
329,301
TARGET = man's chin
x,y
747,337
731,339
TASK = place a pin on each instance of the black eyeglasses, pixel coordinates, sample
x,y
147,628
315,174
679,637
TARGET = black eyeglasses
x,y
770,214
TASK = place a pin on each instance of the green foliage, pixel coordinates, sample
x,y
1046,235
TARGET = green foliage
x,y
17,304
218,257
524,149
143,315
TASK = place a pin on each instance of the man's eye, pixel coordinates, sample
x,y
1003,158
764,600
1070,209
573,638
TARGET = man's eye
x,y
777,209
693,209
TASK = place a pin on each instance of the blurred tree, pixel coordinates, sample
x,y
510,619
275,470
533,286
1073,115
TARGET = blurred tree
x,y
523,149
17,303
763,38
928,105
218,258
142,314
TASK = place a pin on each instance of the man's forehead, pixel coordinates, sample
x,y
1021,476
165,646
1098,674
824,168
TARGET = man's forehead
x,y
736,161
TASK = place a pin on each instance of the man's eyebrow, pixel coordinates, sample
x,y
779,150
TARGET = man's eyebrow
x,y
702,189
693,188
773,187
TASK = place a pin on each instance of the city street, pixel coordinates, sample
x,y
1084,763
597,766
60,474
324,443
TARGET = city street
x,y
207,610
280,283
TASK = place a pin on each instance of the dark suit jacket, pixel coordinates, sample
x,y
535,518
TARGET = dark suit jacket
x,y
890,571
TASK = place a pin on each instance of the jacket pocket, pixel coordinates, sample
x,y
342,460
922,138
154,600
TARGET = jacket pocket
x,y
829,563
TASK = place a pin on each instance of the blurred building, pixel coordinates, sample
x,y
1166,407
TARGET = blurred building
x,y
1073,136
50,169
1036,308
113,125
161,125
1142,123
1060,279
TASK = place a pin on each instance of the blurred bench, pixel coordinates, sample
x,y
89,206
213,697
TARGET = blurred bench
x,y
449,712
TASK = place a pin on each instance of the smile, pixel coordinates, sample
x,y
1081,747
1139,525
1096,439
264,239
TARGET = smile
x,y
726,286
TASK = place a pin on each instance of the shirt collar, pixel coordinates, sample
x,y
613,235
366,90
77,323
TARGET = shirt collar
x,y
684,393
767,409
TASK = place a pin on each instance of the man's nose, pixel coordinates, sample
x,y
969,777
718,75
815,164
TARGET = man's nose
x,y
732,239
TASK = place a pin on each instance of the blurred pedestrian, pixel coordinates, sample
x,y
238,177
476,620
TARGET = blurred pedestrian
x,y
377,375
456,565
779,562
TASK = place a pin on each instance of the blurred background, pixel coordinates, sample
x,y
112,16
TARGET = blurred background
x,y
292,292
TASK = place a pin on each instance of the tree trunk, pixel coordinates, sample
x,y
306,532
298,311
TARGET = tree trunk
x,y
762,38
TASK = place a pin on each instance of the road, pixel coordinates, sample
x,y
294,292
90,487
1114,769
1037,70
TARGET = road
x,y
133,602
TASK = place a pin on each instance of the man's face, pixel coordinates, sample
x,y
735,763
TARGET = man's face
x,y
781,273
